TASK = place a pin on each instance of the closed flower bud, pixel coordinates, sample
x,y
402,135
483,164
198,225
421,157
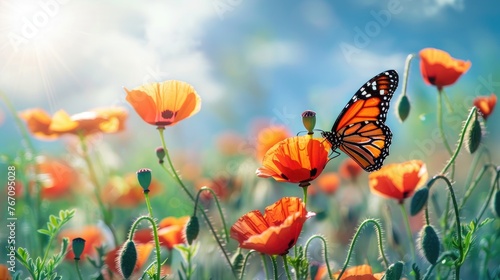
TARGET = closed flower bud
x,y
473,135
144,178
419,200
192,229
237,262
495,204
160,154
78,245
309,121
128,258
429,241
394,271
403,107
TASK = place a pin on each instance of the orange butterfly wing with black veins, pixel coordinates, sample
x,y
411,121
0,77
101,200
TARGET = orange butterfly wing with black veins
x,y
359,131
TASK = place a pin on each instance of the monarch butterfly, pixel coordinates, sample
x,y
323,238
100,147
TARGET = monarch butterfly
x,y
359,130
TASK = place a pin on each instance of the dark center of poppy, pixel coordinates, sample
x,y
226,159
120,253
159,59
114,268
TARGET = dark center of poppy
x,y
290,244
406,194
168,115
284,176
432,80
313,172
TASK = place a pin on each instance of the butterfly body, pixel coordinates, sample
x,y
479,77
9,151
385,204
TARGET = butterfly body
x,y
360,129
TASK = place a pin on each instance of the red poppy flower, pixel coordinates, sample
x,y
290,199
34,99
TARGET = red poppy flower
x,y
360,272
485,104
398,181
93,238
440,69
268,137
104,120
328,182
56,178
164,104
4,272
275,232
170,232
349,169
295,160
126,191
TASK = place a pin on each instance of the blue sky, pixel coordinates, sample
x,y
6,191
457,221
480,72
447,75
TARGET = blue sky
x,y
247,59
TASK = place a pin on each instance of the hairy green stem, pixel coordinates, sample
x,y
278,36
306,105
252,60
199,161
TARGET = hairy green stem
x,y
406,73
78,270
494,186
440,121
245,264
475,183
174,174
155,234
264,264
285,264
408,230
447,254
224,225
378,230
325,249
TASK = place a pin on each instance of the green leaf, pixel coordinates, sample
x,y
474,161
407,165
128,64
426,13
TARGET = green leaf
x,y
45,232
53,220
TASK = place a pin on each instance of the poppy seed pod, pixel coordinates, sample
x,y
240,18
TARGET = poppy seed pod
x,y
144,178
128,258
78,244
429,241
309,120
192,229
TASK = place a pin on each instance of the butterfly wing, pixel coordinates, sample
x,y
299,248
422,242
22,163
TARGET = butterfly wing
x,y
370,102
359,131
366,142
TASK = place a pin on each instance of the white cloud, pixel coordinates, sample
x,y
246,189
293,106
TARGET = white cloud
x,y
274,53
84,52
434,7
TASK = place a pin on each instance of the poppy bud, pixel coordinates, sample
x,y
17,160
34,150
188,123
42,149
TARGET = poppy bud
x,y
309,121
128,258
394,271
192,229
403,106
418,200
473,135
78,245
430,243
237,262
144,178
495,204
160,154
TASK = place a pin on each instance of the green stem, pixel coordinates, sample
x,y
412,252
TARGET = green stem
x,y
494,186
285,264
264,264
406,73
475,183
45,255
457,220
245,264
304,190
155,234
275,267
448,254
174,174
408,230
97,188
440,121
378,230
78,270
224,225
325,249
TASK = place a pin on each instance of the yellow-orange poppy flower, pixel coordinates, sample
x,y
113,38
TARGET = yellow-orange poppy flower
x,y
170,232
4,272
143,252
126,191
360,272
275,232
297,159
104,120
267,137
93,236
349,169
328,182
485,104
438,68
399,180
166,103
56,178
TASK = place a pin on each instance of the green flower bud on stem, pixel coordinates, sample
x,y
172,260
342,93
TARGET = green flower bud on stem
x,y
394,271
419,200
429,241
473,135
192,229
128,258
160,154
403,107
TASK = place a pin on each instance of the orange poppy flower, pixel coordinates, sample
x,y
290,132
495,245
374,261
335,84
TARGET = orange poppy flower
x,y
268,137
298,159
398,181
230,144
170,232
275,232
329,182
56,178
349,169
164,104
4,272
93,236
360,272
143,252
485,104
438,68
126,191
104,120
